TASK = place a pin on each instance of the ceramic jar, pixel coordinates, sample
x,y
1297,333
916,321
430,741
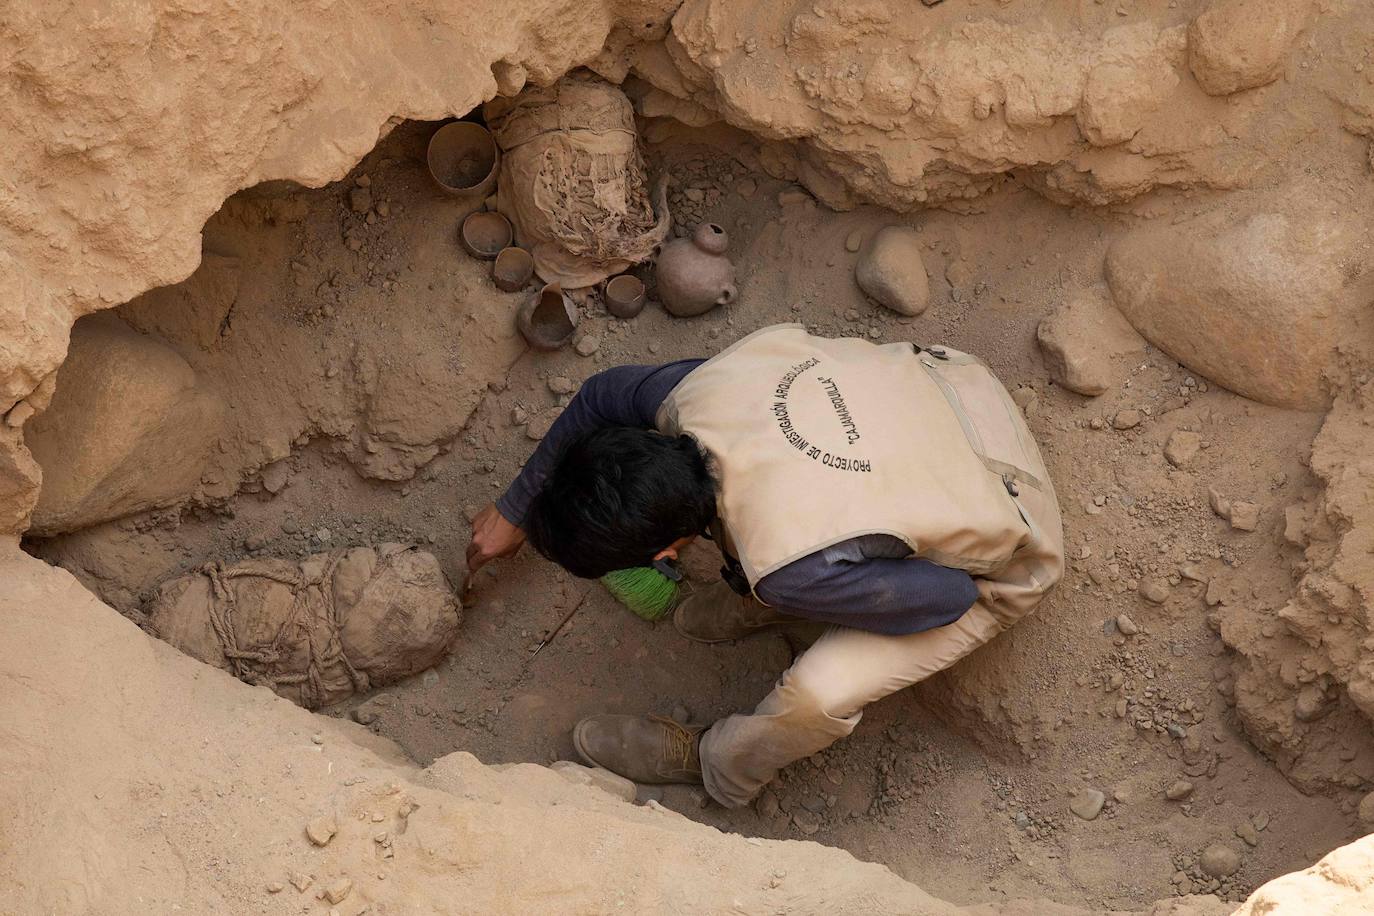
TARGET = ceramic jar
x,y
694,275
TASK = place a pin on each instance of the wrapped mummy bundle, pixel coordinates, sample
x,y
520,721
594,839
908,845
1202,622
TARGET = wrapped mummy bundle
x,y
318,630
572,180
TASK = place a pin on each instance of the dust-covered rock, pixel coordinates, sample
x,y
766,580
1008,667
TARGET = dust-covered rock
x,y
130,428
1088,804
1219,860
1241,44
1260,304
891,272
1087,342
1182,447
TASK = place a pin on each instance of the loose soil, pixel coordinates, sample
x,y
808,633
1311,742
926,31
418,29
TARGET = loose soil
x,y
970,809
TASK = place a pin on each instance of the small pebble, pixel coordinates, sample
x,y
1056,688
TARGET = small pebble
x,y
1180,790
321,830
1088,804
1126,419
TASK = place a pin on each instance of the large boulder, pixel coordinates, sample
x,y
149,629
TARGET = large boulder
x,y
129,429
1259,305
1241,44
1086,343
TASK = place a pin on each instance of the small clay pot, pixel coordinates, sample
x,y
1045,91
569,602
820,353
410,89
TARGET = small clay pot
x,y
513,269
462,158
548,320
694,275
624,296
484,234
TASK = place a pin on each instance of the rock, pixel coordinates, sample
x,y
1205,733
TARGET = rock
x,y
518,416
597,777
1126,626
276,887
19,415
854,240
891,272
1312,703
1222,296
1220,504
1182,447
1119,95
1366,810
561,384
1179,790
1126,419
360,200
1219,861
1244,516
1023,397
321,830
1087,804
1154,591
301,881
337,890
1241,44
538,427
767,805
1248,834
130,428
275,476
805,821
1085,342
587,345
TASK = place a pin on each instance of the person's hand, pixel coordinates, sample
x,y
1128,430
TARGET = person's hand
x,y
492,537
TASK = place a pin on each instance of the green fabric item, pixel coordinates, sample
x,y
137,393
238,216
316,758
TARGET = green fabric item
x,y
644,590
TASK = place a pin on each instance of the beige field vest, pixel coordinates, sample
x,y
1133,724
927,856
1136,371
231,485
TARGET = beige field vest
x,y
819,440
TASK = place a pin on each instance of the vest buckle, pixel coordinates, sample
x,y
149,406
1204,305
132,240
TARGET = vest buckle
x,y
1010,483
937,352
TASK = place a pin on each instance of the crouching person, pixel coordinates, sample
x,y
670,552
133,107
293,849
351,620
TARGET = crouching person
x,y
893,492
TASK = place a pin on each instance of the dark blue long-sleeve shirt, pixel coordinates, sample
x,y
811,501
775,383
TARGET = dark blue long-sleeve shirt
x,y
864,582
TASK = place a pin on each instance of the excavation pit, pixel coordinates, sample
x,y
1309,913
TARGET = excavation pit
x,y
376,391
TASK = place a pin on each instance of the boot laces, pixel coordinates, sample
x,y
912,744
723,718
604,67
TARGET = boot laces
x,y
678,741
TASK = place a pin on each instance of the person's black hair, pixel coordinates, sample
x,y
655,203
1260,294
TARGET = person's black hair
x,y
618,496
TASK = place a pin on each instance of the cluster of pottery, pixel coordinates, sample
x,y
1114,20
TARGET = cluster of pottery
x,y
692,275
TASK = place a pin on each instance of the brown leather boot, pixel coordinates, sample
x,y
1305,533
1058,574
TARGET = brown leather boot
x,y
717,614
644,749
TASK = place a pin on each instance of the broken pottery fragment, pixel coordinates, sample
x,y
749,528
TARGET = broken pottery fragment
x,y
548,320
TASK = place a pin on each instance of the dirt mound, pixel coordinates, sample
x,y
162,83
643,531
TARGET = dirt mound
x,y
257,806
1304,675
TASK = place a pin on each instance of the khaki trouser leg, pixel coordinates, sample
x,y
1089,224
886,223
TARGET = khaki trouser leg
x,y
820,699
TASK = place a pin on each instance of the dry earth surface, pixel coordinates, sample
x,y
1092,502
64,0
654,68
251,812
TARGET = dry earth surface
x,y
337,372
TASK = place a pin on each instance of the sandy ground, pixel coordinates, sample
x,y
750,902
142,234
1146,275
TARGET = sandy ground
x,y
972,811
